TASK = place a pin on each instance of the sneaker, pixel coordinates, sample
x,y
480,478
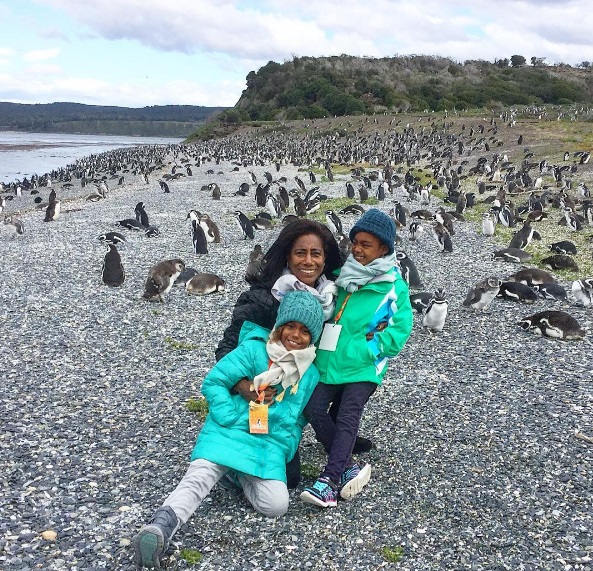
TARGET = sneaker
x,y
230,481
362,445
353,480
152,541
322,493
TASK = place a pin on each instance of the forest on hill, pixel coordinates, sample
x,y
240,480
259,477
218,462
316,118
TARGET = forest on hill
x,y
153,121
307,87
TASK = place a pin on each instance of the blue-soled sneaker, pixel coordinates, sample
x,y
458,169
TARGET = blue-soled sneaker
x,y
322,493
152,541
353,480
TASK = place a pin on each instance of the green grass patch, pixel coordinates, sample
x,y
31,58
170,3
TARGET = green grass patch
x,y
393,554
310,471
191,556
179,345
198,405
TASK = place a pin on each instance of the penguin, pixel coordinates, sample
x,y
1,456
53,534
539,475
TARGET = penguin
x,y
564,247
523,237
215,190
200,244
415,229
245,225
151,231
482,293
268,177
550,291
349,190
560,262
355,209
243,189
582,290
52,212
112,273
553,324
15,224
515,255
573,222
185,276
273,206
488,224
141,215
422,214
408,269
261,223
333,222
300,208
443,237
420,301
300,183
204,283
399,213
160,279
516,291
112,238
253,270
435,313
532,276
286,220
164,186
363,193
210,229
344,245
313,206
130,224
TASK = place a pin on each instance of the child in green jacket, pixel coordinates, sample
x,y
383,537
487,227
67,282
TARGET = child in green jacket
x,y
251,442
372,322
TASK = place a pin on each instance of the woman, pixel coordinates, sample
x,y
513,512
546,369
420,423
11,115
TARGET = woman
x,y
304,256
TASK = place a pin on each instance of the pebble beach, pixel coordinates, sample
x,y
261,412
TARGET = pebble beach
x,y
483,432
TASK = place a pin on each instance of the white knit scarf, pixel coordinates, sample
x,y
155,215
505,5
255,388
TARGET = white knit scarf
x,y
353,274
286,369
325,291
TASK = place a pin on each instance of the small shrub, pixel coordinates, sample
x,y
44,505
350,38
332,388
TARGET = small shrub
x,y
179,345
393,554
191,556
199,406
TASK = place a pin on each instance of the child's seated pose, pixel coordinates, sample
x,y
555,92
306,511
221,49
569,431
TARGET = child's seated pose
x,y
250,441
372,322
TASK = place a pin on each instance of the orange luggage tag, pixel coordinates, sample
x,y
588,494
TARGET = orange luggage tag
x,y
258,415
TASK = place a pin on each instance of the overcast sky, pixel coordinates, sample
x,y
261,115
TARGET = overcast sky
x,y
134,53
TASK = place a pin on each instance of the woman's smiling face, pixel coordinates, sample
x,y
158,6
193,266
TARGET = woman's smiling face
x,y
306,259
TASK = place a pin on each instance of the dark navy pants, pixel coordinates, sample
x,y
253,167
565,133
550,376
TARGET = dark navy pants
x,y
338,437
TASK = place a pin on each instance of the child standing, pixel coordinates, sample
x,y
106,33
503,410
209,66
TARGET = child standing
x,y
372,322
250,440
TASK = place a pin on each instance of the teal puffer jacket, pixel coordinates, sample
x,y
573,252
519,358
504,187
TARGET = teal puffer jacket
x,y
385,300
225,438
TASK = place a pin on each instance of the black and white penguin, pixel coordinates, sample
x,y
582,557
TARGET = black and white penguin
x,y
408,269
288,219
253,270
141,215
215,190
435,314
573,222
344,245
243,189
532,276
164,186
112,273
245,226
204,283
313,205
399,214
514,255
482,293
419,301
161,278
210,229
15,225
185,276
516,291
415,229
198,236
300,183
442,237
582,290
564,247
130,224
333,222
355,209
553,324
273,205
550,291
350,190
488,224
151,231
522,237
268,176
112,238
52,212
560,262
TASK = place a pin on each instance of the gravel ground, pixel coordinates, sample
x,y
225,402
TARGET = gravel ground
x,y
479,462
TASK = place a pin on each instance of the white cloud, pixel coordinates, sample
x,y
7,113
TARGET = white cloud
x,y
41,55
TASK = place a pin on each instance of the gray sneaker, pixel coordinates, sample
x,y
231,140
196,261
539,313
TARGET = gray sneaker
x,y
152,541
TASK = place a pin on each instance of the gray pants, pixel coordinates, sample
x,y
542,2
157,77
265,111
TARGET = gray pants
x,y
268,497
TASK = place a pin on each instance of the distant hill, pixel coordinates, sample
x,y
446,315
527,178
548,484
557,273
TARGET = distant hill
x,y
154,121
308,87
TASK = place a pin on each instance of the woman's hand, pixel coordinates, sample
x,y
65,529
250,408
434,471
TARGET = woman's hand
x,y
245,388
378,329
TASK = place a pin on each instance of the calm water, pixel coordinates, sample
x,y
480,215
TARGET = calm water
x,y
23,154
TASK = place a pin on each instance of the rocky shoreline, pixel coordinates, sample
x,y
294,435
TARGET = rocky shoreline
x,y
483,453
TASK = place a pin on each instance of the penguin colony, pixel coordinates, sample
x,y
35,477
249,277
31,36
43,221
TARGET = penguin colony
x,y
517,196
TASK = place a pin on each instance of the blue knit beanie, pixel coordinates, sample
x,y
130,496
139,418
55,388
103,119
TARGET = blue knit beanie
x,y
301,306
378,224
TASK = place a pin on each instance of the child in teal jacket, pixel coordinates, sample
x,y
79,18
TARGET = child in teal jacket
x,y
372,322
250,443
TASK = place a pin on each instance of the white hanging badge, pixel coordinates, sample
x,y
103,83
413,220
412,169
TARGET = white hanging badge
x,y
330,336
